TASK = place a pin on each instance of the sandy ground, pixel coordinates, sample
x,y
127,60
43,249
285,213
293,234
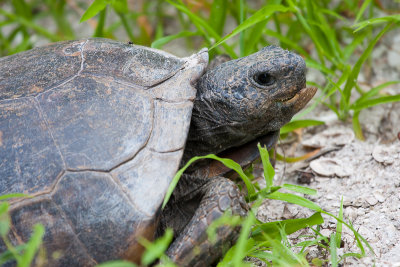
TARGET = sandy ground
x,y
365,173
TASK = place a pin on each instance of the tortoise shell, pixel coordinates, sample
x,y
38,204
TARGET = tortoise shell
x,y
94,131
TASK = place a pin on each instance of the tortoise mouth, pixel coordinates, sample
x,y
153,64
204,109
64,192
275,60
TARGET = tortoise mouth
x,y
305,94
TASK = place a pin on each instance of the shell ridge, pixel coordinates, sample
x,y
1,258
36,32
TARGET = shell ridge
x,y
67,80
124,191
142,148
144,144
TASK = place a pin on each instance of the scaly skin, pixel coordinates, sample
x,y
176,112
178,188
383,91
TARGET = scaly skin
x,y
231,108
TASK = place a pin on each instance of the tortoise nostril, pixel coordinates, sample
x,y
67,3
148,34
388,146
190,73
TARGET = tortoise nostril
x,y
264,79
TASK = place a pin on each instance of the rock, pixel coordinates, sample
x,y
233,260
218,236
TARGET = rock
x,y
371,200
386,154
335,136
330,167
379,196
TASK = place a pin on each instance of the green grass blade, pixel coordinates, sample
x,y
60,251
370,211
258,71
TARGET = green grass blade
x,y
99,32
32,246
155,249
331,13
295,159
309,243
117,263
376,101
126,25
357,126
372,92
159,43
362,9
352,79
227,261
94,9
262,14
241,35
285,40
4,219
3,207
356,255
282,255
297,124
339,226
290,226
333,250
206,30
22,8
227,162
355,43
226,219
241,246
219,9
30,25
10,255
298,200
262,255
253,37
120,6
327,34
361,25
13,195
300,189
311,63
309,30
359,238
269,171
58,12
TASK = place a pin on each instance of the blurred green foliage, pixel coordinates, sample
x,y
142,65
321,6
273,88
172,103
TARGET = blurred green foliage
x,y
327,33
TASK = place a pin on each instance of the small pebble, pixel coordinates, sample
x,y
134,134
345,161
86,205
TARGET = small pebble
x,y
326,232
330,167
379,196
371,200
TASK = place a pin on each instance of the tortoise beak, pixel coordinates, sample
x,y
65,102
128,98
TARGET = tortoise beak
x,y
301,98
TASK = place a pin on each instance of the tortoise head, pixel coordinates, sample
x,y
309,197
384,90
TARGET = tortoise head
x,y
241,100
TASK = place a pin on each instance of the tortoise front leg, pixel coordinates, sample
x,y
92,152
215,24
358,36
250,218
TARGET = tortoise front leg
x,y
192,247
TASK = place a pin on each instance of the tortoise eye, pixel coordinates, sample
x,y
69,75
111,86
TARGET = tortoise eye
x,y
264,79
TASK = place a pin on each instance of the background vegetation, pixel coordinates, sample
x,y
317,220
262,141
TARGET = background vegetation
x,y
335,38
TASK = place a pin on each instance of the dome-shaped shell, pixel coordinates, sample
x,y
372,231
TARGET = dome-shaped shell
x,y
94,130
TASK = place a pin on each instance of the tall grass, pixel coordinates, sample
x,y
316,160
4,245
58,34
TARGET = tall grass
x,y
326,33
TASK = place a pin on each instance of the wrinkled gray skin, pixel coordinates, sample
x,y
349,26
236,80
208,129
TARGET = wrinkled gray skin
x,y
232,108
94,130
237,102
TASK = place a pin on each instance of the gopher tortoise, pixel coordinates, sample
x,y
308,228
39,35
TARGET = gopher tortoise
x,y
94,131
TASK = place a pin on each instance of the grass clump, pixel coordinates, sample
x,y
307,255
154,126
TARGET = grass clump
x,y
23,255
267,242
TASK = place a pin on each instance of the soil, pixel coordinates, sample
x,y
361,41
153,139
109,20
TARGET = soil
x,y
366,174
